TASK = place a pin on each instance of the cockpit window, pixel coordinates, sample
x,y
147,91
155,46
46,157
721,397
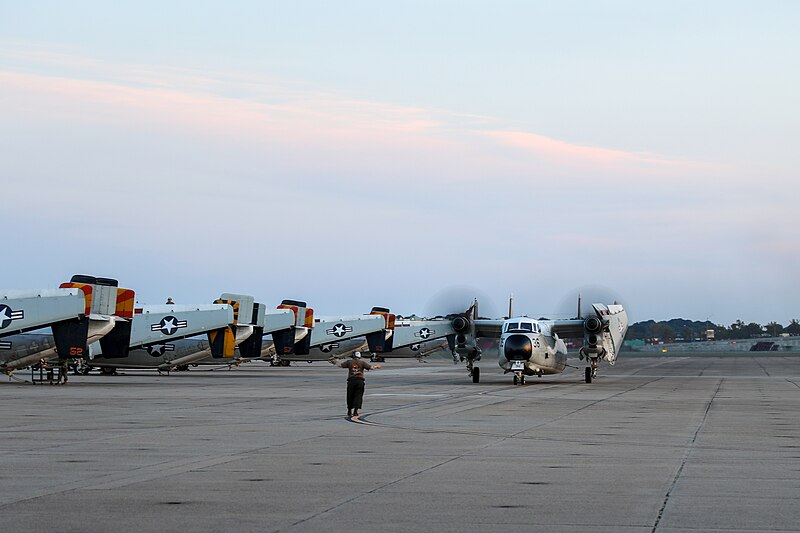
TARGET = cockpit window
x,y
522,326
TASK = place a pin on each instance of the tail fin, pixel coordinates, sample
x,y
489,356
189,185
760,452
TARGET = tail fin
x,y
381,341
286,342
222,342
251,347
103,297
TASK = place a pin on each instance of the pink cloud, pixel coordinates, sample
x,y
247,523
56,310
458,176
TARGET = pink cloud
x,y
571,154
279,113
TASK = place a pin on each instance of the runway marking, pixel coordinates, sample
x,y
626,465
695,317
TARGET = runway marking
x,y
410,394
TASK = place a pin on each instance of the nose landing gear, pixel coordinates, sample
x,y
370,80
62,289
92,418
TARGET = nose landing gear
x,y
591,371
519,378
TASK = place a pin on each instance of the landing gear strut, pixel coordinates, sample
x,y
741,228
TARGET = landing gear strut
x,y
519,378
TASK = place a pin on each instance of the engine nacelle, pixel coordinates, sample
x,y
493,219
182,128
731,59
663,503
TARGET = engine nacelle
x,y
593,337
461,324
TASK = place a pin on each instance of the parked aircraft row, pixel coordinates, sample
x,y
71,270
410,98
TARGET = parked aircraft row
x,y
96,323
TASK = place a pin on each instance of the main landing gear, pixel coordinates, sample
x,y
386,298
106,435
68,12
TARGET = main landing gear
x,y
591,371
519,378
474,371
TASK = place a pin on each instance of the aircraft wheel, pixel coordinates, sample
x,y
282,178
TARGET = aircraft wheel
x,y
516,380
522,380
108,371
182,368
588,374
286,363
476,375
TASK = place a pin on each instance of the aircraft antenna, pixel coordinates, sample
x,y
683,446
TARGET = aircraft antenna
x,y
579,306
510,305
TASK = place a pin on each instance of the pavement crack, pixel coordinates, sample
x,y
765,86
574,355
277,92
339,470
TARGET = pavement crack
x,y
686,457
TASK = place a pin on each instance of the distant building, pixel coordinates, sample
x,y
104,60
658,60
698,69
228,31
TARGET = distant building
x,y
709,334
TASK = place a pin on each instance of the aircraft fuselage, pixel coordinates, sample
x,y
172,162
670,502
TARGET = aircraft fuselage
x,y
532,354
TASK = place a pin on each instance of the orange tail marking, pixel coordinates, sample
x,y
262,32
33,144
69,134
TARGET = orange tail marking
x,y
87,293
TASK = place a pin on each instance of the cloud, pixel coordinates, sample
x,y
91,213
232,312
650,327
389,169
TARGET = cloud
x,y
576,155
256,110
141,153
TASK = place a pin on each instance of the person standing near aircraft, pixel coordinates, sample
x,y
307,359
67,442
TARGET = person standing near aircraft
x,y
355,381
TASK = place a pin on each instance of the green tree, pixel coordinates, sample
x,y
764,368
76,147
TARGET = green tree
x,y
752,330
773,329
794,327
663,332
736,330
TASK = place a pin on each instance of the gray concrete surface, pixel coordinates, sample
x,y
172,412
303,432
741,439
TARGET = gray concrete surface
x,y
655,444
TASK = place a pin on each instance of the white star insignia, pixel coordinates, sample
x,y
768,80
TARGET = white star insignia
x,y
5,317
169,326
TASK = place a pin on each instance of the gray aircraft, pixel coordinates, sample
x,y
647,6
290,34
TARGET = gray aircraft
x,y
243,326
314,337
78,314
531,347
406,337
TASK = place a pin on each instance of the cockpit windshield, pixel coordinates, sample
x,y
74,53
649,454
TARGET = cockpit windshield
x,y
527,327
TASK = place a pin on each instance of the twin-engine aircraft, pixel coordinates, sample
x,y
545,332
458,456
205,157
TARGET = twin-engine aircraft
x,y
531,347
296,336
77,313
233,320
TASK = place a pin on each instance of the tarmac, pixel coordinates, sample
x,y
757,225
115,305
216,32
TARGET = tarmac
x,y
654,444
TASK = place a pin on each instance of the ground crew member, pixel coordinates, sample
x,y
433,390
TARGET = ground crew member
x,y
355,381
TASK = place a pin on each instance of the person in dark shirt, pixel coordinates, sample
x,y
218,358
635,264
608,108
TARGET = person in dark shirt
x,y
355,381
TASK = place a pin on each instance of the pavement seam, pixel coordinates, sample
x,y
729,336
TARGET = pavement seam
x,y
376,489
149,472
761,366
686,457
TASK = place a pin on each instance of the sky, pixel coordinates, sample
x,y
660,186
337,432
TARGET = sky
x,y
362,153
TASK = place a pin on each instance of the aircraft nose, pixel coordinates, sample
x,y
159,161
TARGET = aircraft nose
x,y
518,348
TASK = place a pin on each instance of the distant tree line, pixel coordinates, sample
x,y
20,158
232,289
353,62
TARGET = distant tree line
x,y
692,330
